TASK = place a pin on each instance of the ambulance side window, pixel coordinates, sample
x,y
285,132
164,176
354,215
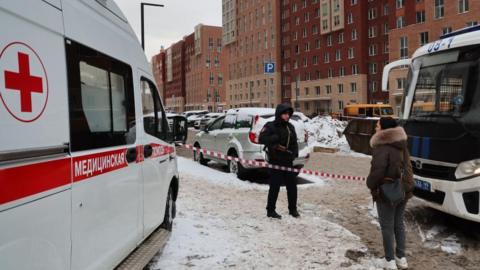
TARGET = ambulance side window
x,y
102,109
153,115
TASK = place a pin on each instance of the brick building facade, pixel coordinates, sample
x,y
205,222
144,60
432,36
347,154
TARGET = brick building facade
x,y
333,52
190,73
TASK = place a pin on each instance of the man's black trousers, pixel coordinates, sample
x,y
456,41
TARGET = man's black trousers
x,y
278,177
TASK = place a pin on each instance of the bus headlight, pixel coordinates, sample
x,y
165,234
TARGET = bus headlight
x,y
468,168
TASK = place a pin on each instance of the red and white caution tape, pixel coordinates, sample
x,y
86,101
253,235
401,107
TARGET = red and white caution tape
x,y
264,164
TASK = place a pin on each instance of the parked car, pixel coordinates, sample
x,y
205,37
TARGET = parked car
x,y
193,116
236,134
202,122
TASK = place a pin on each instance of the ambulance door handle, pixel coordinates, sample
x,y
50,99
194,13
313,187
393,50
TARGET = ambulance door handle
x,y
147,151
131,154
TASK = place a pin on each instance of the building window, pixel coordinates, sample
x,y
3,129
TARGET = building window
x,y
386,28
385,10
351,53
463,6
336,20
372,68
372,50
328,89
307,91
327,57
446,30
439,9
341,72
307,17
317,90
314,30
305,34
372,32
473,23
354,69
329,40
423,38
420,16
341,38
404,47
315,60
353,87
385,47
400,21
372,13
317,43
400,3
330,73
340,105
340,88
353,2
338,55
350,18
354,34
307,46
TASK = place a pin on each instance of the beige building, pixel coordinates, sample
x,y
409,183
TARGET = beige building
x,y
251,37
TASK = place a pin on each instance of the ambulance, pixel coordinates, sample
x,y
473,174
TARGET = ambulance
x,y
85,178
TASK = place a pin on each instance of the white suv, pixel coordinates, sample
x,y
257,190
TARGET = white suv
x,y
236,134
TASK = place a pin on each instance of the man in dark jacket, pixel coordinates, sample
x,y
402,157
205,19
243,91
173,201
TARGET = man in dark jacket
x,y
282,148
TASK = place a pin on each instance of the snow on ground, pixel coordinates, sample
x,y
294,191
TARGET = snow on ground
x,y
222,223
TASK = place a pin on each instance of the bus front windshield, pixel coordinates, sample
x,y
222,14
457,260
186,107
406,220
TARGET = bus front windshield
x,y
447,83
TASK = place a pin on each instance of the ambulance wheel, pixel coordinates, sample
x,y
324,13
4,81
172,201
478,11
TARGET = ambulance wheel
x,y
170,211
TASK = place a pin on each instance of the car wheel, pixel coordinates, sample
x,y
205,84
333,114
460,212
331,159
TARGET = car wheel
x,y
170,211
236,167
198,156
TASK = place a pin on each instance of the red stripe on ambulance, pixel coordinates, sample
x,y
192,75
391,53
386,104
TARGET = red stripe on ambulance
x,y
23,181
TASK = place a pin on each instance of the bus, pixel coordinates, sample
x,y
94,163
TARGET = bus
x,y
440,112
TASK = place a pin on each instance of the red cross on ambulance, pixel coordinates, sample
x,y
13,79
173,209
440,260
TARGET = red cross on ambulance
x,y
23,82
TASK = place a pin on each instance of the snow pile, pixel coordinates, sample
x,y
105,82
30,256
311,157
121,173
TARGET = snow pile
x,y
327,132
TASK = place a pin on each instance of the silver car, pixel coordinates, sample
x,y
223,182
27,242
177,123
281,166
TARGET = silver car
x,y
236,134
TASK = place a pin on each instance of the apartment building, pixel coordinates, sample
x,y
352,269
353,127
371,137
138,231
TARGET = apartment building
x,y
333,52
190,73
417,23
251,36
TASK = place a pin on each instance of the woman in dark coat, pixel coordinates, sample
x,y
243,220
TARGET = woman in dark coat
x,y
391,160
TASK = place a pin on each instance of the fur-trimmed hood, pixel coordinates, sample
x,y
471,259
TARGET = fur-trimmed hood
x,y
393,136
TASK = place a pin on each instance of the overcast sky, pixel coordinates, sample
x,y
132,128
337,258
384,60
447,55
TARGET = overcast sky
x,y
164,26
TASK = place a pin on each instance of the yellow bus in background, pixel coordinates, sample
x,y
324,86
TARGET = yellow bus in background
x,y
368,110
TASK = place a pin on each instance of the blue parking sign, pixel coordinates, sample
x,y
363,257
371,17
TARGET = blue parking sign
x,y
269,68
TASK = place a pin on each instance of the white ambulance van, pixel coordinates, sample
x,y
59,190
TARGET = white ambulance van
x,y
84,177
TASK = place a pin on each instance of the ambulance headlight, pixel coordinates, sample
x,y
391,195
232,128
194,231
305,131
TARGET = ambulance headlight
x,y
468,169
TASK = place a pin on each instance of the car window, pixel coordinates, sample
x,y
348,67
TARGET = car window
x,y
244,121
229,121
217,124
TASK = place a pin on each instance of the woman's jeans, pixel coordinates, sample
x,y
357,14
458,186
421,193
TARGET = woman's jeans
x,y
391,218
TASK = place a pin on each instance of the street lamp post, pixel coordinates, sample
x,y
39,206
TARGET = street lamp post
x,y
142,5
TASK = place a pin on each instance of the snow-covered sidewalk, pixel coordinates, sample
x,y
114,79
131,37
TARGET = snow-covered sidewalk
x,y
221,223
